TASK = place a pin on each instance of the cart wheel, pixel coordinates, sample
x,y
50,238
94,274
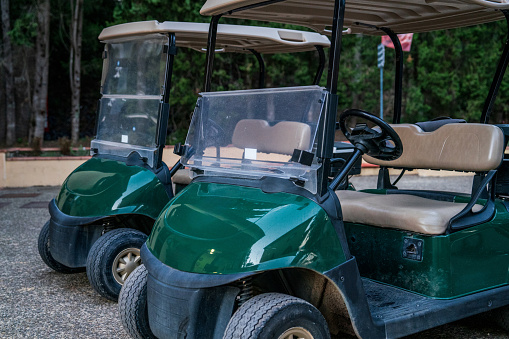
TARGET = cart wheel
x,y
44,252
112,258
275,315
132,304
501,316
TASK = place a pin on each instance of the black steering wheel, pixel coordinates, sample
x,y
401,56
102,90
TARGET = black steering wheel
x,y
382,143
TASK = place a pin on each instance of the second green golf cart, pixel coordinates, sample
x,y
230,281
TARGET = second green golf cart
x,y
107,206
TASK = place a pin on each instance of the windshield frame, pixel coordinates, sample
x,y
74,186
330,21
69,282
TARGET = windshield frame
x,y
152,139
257,133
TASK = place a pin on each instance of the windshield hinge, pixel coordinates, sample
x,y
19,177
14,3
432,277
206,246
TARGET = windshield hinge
x,y
302,157
172,50
180,149
298,181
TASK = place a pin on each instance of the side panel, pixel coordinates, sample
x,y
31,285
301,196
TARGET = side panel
x,y
453,265
103,187
219,228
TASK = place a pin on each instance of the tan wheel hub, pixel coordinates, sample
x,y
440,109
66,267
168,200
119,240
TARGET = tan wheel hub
x,y
296,333
125,262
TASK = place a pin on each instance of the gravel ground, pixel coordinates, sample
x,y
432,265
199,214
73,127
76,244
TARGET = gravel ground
x,y
36,302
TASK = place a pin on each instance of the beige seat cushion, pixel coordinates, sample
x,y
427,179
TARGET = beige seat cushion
x,y
460,147
182,177
400,211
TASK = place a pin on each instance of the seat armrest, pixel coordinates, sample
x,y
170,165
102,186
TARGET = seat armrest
x,y
467,217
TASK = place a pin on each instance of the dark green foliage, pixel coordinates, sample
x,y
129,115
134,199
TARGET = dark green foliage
x,y
451,73
447,73
161,10
24,29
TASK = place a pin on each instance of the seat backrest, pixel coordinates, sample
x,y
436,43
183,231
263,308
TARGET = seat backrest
x,y
182,177
458,147
283,138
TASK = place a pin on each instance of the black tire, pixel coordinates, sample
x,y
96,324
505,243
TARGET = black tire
x,y
501,317
107,250
45,253
276,316
132,305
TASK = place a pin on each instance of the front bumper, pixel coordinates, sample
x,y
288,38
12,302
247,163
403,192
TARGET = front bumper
x,y
187,305
70,238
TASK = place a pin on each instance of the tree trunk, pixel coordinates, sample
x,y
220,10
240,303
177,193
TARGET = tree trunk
x,y
40,94
10,112
75,67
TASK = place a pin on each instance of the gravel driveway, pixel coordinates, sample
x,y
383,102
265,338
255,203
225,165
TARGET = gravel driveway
x,y
36,302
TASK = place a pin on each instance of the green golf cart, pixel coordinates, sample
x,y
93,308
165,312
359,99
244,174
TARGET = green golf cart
x,y
262,244
107,206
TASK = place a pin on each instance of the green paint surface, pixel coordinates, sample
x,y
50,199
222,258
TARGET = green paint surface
x,y
224,229
103,187
464,262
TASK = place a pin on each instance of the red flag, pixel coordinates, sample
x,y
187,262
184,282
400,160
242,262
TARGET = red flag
x,y
405,40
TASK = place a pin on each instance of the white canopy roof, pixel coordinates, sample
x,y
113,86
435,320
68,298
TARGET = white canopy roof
x,y
402,16
230,38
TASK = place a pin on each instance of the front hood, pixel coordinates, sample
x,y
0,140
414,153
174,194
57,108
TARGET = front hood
x,y
96,176
218,228
102,187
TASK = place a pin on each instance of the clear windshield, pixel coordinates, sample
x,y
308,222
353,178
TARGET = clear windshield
x,y
254,133
135,66
131,88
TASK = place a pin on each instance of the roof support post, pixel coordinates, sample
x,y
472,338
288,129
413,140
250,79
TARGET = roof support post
x,y
335,47
321,65
497,79
328,125
171,52
261,71
211,47
164,106
398,81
